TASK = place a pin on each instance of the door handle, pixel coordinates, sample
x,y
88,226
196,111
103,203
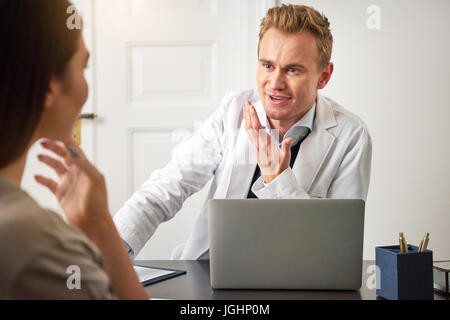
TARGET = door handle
x,y
77,127
90,116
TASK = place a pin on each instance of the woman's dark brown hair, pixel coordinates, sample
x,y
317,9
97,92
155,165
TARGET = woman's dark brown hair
x,y
36,44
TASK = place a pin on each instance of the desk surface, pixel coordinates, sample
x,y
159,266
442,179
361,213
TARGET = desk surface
x,y
195,285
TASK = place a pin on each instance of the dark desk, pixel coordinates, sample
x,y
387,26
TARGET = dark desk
x,y
195,285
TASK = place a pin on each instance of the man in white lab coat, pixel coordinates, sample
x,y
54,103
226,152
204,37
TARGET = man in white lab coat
x,y
284,140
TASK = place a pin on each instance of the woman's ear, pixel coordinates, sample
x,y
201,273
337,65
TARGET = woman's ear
x,y
51,92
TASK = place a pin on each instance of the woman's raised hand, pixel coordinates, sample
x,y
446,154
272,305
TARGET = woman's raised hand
x,y
81,189
81,192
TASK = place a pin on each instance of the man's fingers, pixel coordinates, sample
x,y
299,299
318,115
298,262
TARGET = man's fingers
x,y
252,134
57,165
254,117
286,150
46,182
265,151
252,124
286,145
262,143
247,120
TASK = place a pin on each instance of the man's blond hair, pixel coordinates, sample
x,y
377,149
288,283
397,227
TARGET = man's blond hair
x,y
297,18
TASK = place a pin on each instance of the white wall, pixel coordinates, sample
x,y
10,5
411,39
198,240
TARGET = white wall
x,y
397,79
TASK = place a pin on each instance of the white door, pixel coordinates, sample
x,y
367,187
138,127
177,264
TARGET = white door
x,y
160,68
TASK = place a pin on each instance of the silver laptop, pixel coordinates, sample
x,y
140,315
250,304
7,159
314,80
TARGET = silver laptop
x,y
286,244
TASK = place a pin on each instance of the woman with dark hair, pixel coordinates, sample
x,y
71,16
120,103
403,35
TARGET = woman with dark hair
x,y
42,91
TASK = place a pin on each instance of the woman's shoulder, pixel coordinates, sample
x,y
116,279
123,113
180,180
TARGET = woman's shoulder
x,y
28,227
28,230
22,217
37,247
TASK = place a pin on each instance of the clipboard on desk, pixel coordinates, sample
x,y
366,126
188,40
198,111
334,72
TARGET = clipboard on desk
x,y
148,275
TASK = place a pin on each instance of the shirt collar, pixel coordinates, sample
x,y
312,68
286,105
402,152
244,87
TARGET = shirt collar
x,y
299,130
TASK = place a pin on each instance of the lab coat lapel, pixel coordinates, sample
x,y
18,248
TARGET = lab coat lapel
x,y
316,147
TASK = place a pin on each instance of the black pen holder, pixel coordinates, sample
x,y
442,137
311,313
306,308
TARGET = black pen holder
x,y
404,276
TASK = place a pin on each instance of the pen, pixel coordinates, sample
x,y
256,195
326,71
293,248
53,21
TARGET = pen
x,y
403,243
424,242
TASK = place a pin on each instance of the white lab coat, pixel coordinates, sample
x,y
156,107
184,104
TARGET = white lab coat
x,y
333,162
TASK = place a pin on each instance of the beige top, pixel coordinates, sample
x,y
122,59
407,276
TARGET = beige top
x,y
37,247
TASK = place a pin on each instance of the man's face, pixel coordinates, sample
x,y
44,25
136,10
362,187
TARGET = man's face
x,y
288,75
